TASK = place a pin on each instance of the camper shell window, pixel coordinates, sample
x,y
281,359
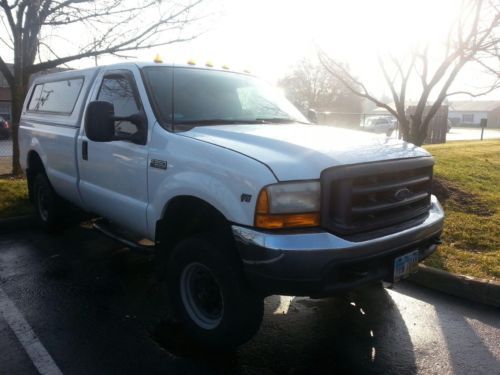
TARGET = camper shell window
x,y
58,97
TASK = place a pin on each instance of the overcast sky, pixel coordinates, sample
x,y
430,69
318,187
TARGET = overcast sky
x,y
270,36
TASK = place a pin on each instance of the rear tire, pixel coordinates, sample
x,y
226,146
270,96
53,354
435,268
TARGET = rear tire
x,y
48,205
209,294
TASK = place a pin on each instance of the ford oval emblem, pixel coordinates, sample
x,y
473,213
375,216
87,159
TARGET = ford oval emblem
x,y
402,194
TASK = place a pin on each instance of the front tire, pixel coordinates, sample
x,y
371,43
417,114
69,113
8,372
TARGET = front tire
x,y
209,294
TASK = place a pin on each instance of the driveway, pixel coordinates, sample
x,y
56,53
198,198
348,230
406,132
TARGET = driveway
x,y
5,147
466,134
79,303
471,134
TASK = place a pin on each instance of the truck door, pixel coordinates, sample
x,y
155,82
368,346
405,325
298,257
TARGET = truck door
x,y
113,175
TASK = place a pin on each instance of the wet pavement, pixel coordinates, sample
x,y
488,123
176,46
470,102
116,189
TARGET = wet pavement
x,y
5,147
95,308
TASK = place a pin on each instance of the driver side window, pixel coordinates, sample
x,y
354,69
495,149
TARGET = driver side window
x,y
119,90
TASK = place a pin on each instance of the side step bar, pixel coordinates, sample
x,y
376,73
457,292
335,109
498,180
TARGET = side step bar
x,y
107,229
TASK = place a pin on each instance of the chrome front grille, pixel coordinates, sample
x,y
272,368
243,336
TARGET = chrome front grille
x,y
364,197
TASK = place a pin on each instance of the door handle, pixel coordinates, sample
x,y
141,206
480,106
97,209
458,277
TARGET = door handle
x,y
85,150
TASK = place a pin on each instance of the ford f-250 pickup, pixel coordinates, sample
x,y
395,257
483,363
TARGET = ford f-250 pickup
x,y
241,196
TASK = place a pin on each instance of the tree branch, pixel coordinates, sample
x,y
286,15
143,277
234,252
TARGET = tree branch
x,y
492,88
350,82
10,18
4,69
389,82
53,63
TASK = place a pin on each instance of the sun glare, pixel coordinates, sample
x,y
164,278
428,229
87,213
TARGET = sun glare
x,y
269,37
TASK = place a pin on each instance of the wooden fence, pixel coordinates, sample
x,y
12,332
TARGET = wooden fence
x,y
438,125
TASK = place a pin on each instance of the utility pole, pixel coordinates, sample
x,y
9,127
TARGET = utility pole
x,y
483,125
95,57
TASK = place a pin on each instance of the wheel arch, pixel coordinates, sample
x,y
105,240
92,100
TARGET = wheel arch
x,y
34,165
186,215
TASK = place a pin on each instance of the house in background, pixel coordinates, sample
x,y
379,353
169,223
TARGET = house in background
x,y
4,98
470,113
465,113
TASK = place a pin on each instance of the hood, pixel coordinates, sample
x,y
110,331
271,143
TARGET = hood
x,y
299,152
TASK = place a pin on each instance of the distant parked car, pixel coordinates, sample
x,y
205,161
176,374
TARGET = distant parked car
x,y
4,128
380,125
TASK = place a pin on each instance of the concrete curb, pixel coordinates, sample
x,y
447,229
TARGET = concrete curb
x,y
16,223
471,288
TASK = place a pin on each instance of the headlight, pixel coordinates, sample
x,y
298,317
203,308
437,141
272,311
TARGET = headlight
x,y
288,205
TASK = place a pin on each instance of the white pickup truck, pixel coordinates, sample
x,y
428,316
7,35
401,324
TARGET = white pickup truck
x,y
241,196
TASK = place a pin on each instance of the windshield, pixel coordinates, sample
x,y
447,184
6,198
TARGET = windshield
x,y
211,97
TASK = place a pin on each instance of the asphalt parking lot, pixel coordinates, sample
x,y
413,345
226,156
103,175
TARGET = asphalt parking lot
x,y
5,147
79,303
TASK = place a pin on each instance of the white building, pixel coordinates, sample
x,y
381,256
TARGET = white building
x,y
470,113
466,113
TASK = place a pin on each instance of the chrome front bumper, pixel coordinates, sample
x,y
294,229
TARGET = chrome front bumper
x,y
316,262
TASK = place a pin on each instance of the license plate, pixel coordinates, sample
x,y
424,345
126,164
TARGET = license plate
x,y
405,265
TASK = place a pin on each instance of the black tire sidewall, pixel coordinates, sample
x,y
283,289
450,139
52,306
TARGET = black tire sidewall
x,y
243,308
42,186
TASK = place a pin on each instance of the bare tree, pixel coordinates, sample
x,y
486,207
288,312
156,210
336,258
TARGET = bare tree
x,y
104,26
310,86
473,38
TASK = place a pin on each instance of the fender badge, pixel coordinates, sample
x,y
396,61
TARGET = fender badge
x,y
159,164
246,198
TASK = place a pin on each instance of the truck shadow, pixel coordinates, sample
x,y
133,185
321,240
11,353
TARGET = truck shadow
x,y
359,332
461,325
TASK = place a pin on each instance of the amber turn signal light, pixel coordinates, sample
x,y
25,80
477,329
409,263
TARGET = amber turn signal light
x,y
266,220
286,221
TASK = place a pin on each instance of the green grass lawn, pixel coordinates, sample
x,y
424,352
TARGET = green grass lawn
x,y
467,178
14,198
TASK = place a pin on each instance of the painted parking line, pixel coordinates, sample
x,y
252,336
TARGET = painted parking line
x,y
34,348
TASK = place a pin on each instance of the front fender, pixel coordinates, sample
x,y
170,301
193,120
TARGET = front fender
x,y
226,199
213,174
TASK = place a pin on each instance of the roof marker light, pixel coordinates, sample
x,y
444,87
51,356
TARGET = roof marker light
x,y
209,64
226,67
191,62
158,59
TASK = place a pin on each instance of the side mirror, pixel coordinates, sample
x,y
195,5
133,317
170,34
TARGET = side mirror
x,y
100,124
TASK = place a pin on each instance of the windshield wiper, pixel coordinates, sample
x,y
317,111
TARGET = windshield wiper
x,y
222,121
278,120
215,121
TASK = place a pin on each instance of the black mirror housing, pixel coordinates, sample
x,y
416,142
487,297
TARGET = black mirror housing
x,y
99,121
100,124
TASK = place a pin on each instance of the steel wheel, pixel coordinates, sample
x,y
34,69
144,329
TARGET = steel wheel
x,y
201,296
209,294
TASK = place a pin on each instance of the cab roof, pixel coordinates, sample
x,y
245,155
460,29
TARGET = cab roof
x,y
140,64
